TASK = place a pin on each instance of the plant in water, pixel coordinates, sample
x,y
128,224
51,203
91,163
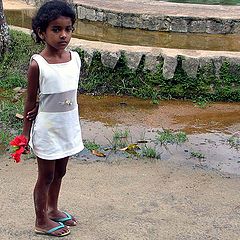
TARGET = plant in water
x,y
234,141
149,152
120,139
170,137
91,145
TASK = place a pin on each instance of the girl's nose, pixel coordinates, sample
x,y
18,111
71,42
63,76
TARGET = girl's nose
x,y
63,35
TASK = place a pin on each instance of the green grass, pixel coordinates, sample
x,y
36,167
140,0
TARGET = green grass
x,y
120,139
149,152
14,63
91,145
8,111
141,83
198,155
169,137
234,142
5,138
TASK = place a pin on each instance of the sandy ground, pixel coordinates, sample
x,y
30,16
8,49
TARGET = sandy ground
x,y
127,200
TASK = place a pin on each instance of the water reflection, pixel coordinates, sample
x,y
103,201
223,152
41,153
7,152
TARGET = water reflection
x,y
97,31
130,111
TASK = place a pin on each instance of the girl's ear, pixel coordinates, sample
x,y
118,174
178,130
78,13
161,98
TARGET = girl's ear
x,y
40,34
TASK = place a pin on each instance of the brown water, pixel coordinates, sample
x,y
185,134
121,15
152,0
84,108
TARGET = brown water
x,y
208,129
97,31
178,115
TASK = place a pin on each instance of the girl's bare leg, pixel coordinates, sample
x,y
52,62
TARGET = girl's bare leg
x,y
53,211
46,171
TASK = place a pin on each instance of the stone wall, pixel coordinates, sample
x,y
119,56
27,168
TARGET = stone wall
x,y
160,23
191,60
154,22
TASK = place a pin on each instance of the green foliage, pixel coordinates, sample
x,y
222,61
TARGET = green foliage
x,y
8,111
227,86
201,102
198,155
120,139
169,137
234,142
14,63
149,152
5,137
120,80
142,83
91,145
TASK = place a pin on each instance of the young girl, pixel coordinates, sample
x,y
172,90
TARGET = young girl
x,y
55,134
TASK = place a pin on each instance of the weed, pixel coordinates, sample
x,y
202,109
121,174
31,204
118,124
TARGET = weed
x,y
198,155
169,137
8,111
14,63
119,139
5,137
201,102
234,142
91,145
149,152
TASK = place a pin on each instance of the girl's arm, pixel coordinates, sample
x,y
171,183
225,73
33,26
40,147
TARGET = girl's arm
x,y
31,99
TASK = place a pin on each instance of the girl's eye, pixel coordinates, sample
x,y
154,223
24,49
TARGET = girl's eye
x,y
56,29
69,29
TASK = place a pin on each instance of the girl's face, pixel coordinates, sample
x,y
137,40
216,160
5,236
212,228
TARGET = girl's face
x,y
58,33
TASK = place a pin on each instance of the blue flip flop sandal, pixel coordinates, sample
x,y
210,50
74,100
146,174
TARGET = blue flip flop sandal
x,y
50,231
65,219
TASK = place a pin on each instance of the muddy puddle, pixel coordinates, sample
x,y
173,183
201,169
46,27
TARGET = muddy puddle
x,y
208,129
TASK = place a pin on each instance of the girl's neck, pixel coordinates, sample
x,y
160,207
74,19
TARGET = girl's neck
x,y
56,56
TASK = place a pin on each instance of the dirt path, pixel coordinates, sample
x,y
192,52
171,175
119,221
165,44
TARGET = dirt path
x,y
127,200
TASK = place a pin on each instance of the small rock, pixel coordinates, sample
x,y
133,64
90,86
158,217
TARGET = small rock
x,y
19,116
17,89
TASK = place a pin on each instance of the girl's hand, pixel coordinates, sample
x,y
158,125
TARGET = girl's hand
x,y
31,115
26,150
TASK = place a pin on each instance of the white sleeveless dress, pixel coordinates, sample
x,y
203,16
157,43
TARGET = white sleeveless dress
x,y
56,132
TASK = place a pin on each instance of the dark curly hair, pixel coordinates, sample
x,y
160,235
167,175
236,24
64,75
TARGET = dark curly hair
x,y
48,12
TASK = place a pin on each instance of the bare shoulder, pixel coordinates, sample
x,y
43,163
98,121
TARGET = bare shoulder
x,y
33,67
33,64
33,71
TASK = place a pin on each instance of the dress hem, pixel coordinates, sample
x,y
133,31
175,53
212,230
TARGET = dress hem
x,y
56,157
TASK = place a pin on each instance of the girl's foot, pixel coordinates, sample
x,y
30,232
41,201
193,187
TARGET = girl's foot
x,y
53,229
62,217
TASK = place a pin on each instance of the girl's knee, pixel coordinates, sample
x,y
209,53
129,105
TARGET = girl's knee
x,y
60,173
46,179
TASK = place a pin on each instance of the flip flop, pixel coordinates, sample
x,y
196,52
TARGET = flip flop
x,y
50,232
65,219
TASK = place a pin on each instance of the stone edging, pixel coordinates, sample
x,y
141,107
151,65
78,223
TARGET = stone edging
x,y
155,19
167,23
192,59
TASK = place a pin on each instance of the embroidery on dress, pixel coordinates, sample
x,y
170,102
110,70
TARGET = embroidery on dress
x,y
67,102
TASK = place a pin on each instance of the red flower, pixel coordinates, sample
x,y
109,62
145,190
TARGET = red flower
x,y
18,143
